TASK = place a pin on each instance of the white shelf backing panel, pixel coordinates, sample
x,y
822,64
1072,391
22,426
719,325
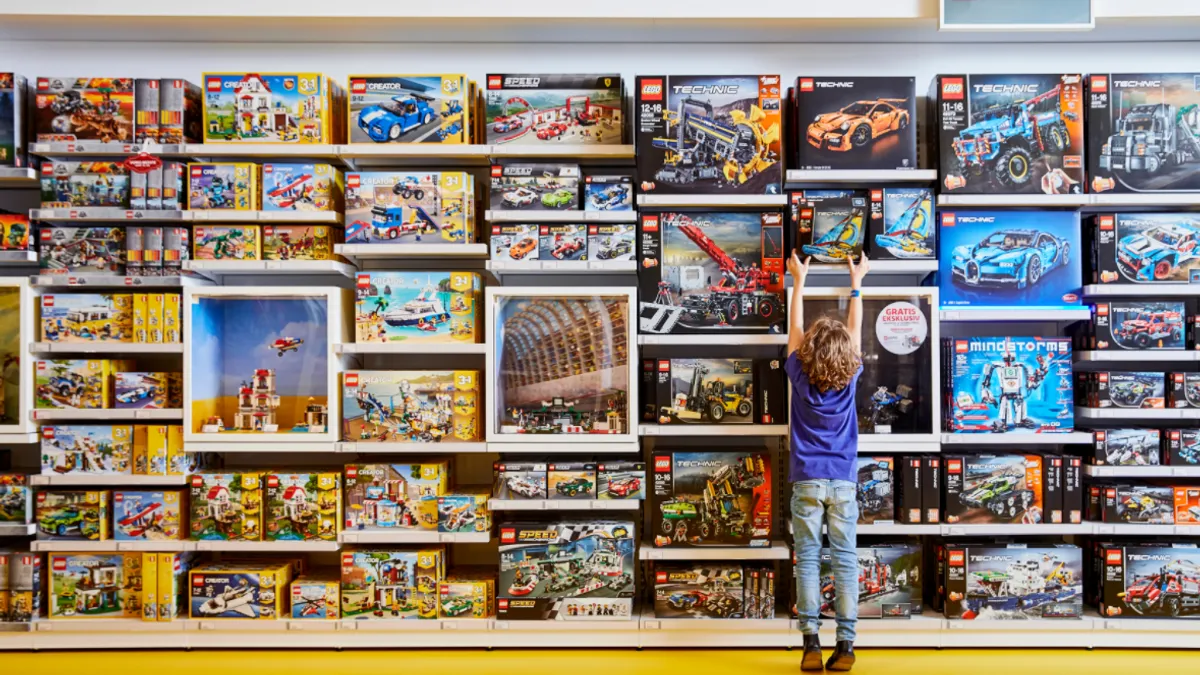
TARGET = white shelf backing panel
x,y
1128,290
1142,471
116,480
713,429
231,445
113,281
1069,438
398,348
220,268
399,536
747,200
411,251
861,176
778,550
106,347
1017,529
977,315
350,447
564,504
1137,414
107,414
1033,633
17,529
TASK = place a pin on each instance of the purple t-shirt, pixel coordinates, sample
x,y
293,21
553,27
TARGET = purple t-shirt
x,y
824,428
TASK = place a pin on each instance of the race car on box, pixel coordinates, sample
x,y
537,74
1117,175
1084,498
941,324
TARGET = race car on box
x,y
1157,252
857,124
1017,257
1148,327
520,197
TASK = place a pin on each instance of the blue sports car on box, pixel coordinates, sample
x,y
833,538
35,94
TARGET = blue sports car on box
x,y
1017,257
386,121
1155,254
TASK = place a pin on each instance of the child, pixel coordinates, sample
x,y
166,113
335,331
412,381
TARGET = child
x,y
824,364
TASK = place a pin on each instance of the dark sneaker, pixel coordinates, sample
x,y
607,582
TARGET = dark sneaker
x,y
812,653
843,657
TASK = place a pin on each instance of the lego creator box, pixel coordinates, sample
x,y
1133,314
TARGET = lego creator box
x,y
465,512
223,187
1142,504
710,499
81,250
711,272
226,506
876,489
889,582
302,506
554,570
902,225
135,391
76,384
519,480
100,449
1010,133
1153,580
316,597
1134,324
74,109
1146,248
1128,390
14,103
1142,131
562,243
79,185
615,243
571,480
709,134
607,193
417,306
621,480
379,584
705,391
534,187
388,496
100,585
994,489
554,109
1183,390
301,187
14,232
411,406
1182,447
830,224
856,123
297,242
1014,582
467,598
227,242
159,515
516,246
1187,506
410,109
1008,385
1127,447
400,207
16,503
1010,259
686,591
238,591
87,317
272,108
75,515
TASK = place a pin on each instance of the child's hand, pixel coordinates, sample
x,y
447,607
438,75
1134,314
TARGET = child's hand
x,y
798,270
857,272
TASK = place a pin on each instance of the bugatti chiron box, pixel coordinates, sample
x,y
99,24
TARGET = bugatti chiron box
x,y
1128,389
711,272
563,243
1151,581
516,246
615,244
889,582
994,489
1010,133
709,134
1146,248
1126,447
830,224
902,225
1181,447
710,499
534,187
608,193
699,591
1187,505
410,109
519,480
1142,504
1143,132
621,480
856,123
1014,582
1138,325
567,570
14,101
1009,385
546,110
1010,259
1183,390
876,489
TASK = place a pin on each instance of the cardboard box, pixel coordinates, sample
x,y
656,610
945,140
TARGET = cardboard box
x,y
545,109
902,224
535,187
682,507
16,499
297,108
76,384
14,107
404,207
1039,582
1182,447
1114,389
516,245
931,496
74,515
406,583
415,307
301,187
154,515
711,591
909,490
1132,580
519,480
316,596
1187,506
1127,447
92,449
571,480
83,110
227,242
608,192
1145,504
1183,390
412,109
621,480
302,506
224,187
66,251
830,224
449,400
855,123
1144,248
994,489
1138,325
382,497
226,506
889,584
562,243
973,402
82,185
246,591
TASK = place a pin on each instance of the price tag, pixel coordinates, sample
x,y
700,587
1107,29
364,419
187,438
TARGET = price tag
x,y
273,264
449,625
142,415
650,431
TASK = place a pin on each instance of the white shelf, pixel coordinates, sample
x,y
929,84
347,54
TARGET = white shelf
x,y
111,545
1140,356
610,216
776,551
1146,529
83,149
898,529
713,429
1003,200
566,447
105,479
107,213
414,537
712,200
409,348
112,281
262,150
1069,438
106,347
1142,471
230,216
1136,414
1152,290
20,439
564,504
714,339
17,529
381,154
862,176
1029,634
18,178
444,447
985,314
1145,199
717,633
907,443
268,546
533,216
923,266
501,267
1000,529
287,442
411,251
221,268
18,257
578,152
107,414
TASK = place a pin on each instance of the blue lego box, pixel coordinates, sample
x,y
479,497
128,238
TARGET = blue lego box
x,y
1146,248
608,193
411,109
902,225
1008,385
829,224
402,207
1010,259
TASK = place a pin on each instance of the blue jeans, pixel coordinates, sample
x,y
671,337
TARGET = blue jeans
x,y
835,504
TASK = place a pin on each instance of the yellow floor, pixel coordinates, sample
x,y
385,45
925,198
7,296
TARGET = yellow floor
x,y
623,662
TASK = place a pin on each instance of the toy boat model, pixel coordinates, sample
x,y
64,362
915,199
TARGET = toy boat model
x,y
425,309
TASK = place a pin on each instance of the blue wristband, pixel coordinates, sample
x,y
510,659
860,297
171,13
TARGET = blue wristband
x,y
854,293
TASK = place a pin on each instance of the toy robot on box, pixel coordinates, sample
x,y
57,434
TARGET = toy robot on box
x,y
1016,380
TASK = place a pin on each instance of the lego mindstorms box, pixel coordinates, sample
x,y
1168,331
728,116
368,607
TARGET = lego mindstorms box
x,y
1008,385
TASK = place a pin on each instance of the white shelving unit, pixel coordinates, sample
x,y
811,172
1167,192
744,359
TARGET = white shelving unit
x,y
1071,438
113,546
217,269
653,200
111,281
1163,356
106,348
104,480
713,429
267,217
268,546
564,448
1000,529
778,550
905,443
1144,199
413,537
358,252
11,177
405,348
107,213
877,267
444,448
1137,414
983,314
1142,471
501,267
564,504
62,414
228,445
18,257
17,529
861,176
1130,290
714,339
1005,200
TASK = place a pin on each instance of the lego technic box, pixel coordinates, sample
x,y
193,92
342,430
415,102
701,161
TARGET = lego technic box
x,y
711,272
709,134
83,111
399,207
855,123
534,187
719,391
889,582
994,489
411,406
1146,248
1010,259
1127,447
710,499
876,489
412,307
562,243
273,108
1127,389
1008,385
1149,580
1010,133
1014,582
902,225
14,99
830,224
553,570
687,591
1181,447
554,109
516,246
1139,504
1143,132
411,109
616,244
1136,325
1183,390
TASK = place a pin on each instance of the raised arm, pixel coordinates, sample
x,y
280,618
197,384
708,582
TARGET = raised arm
x,y
799,271
854,320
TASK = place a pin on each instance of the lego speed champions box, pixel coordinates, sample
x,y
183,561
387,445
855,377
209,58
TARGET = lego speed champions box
x,y
856,123
410,109
889,582
711,272
1152,581
696,591
1010,133
709,134
554,109
710,499
1145,248
1008,385
1014,582
272,108
1143,132
1011,259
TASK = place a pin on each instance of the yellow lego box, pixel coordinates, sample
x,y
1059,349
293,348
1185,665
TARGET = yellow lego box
x,y
178,463
172,328
150,454
79,384
389,496
97,585
223,187
149,580
299,108
298,242
467,595
301,187
227,242
139,317
316,596
155,302
465,511
226,506
172,575
75,515
302,506
412,576
253,591
86,317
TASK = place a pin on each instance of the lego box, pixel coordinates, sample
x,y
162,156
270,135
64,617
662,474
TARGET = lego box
x,y
520,480
411,109
14,102
76,384
1183,390
534,187
1142,504
94,449
876,489
709,134
889,582
717,391
226,507
516,246
1014,582
1187,506
1127,447
142,390
416,307
272,108
994,489
316,596
1145,248
411,406
1138,325
74,515
298,242
301,187
685,591
223,187
571,480
88,109
77,185
464,512
710,499
227,242
562,243
87,317
1128,390
410,208
1010,133
902,225
1149,580
102,585
621,480
14,232
467,598
611,243
389,496
1181,447
302,506
856,123
81,250
389,584
554,109
16,503
830,224
159,515
239,591
608,193
1008,385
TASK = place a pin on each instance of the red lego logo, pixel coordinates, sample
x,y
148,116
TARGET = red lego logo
x,y
198,581
272,481
1100,435
664,366
197,172
806,214
508,535
358,86
544,229
961,347
213,84
806,84
662,464
497,171
353,181
957,558
1113,557
48,433
876,195
1110,493
649,223
947,220
1174,435
351,472
495,81
60,563
1178,378
363,281
954,466
502,603
1106,222
1099,83
197,481
660,577
1102,310
48,169
652,90
952,88
351,379
593,230
43,83
1103,377
48,301
268,231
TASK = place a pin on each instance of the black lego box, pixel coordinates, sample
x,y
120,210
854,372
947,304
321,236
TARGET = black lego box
x,y
1182,447
14,103
1183,390
931,494
876,489
710,499
1014,582
830,224
760,596
1010,133
1145,504
709,134
1153,581
1072,489
711,273
910,493
647,391
1126,389
1052,493
994,489
1145,248
1138,324
699,591
1143,132
889,582
902,226
1126,447
855,123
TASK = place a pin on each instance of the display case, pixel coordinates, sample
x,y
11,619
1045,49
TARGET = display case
x,y
16,372
258,366
559,365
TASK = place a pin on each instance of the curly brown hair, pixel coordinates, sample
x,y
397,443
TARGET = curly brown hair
x,y
827,355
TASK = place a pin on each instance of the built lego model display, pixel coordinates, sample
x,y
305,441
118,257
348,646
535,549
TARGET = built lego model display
x,y
273,108
546,568
83,109
86,449
830,224
607,193
410,207
1146,248
411,109
614,243
1008,385
81,250
416,307
551,108
302,506
563,243
100,585
889,582
301,187
1010,133
87,317
227,242
16,503
390,584
156,515
902,225
711,272
1149,580
411,406
685,591
75,515
876,489
710,499
79,185
709,134
994,489
224,187
390,496
78,384
1014,582
239,591
855,123
14,101
1143,132
534,187
1135,325
226,506
1127,447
